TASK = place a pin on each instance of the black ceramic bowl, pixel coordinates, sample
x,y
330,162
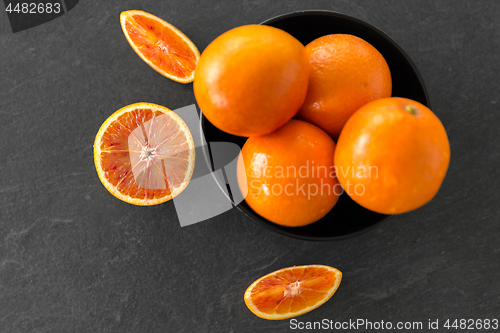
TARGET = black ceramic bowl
x,y
347,218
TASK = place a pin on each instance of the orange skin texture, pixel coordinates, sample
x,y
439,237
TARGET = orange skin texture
x,y
304,153
346,73
408,155
251,80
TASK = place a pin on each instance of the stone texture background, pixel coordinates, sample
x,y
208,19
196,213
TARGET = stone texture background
x,y
75,259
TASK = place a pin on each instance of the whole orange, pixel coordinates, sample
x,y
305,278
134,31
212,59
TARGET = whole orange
x,y
288,175
346,73
251,80
392,155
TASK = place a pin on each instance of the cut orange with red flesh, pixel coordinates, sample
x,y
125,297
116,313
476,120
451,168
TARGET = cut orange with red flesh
x,y
161,45
144,154
293,291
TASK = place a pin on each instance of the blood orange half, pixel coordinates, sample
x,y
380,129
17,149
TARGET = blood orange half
x,y
293,291
161,45
144,154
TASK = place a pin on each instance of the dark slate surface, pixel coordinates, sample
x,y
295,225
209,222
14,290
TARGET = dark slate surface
x,y
75,259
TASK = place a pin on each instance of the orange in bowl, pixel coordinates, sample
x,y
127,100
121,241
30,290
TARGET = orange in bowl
x,y
392,155
346,73
287,176
251,80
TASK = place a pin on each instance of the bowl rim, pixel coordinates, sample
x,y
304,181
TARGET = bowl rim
x,y
359,21
275,227
270,225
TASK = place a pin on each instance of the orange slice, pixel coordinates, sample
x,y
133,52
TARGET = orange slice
x,y
293,291
161,45
144,154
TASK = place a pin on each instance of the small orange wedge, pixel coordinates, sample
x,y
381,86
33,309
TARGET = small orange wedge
x,y
161,45
144,154
293,291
